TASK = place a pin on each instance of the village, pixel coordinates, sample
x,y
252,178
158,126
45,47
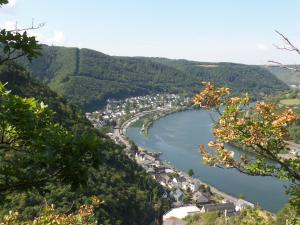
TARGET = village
x,y
116,112
187,194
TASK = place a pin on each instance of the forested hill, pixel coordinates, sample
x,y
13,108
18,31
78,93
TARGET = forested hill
x,y
88,78
129,194
287,76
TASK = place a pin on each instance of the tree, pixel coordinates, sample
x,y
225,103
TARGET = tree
x,y
34,150
191,172
3,2
17,43
186,198
262,129
84,216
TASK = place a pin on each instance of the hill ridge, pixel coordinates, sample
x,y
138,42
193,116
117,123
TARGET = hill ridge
x,y
87,78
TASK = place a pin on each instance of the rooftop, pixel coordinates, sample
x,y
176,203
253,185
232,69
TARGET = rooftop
x,y
181,212
174,221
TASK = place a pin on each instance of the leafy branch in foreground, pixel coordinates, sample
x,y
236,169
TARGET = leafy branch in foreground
x,y
3,2
84,216
262,129
34,150
17,43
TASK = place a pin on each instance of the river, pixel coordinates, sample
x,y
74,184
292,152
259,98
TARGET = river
x,y
178,136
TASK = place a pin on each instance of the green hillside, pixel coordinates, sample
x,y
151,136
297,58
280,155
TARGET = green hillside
x,y
285,75
239,77
116,179
88,78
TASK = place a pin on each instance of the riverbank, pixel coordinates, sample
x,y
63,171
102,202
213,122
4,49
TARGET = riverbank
x,y
148,122
146,160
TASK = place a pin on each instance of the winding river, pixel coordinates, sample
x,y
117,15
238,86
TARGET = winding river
x,y
178,136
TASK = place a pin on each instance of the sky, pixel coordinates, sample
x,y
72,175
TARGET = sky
x,y
209,31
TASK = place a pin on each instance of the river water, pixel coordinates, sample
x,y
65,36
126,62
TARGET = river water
x,y
178,136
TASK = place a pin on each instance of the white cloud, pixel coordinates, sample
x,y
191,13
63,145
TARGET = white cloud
x,y
262,47
8,25
58,37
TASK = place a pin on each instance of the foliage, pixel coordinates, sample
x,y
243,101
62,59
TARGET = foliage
x,y
252,216
116,179
106,129
287,215
186,198
247,216
59,158
84,216
17,43
3,2
203,218
35,150
88,78
262,128
290,99
18,80
191,172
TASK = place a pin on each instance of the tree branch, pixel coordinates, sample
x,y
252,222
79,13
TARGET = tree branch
x,y
33,27
292,47
278,64
24,185
282,164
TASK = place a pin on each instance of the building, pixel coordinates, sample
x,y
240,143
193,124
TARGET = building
x,y
241,204
177,195
228,208
200,198
181,212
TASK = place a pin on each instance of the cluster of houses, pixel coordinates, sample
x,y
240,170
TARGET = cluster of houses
x,y
115,110
176,184
184,191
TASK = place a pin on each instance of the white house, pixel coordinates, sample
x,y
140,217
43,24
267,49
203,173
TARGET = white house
x,y
194,187
181,212
240,204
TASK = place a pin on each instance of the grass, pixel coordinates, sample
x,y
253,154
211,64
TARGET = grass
x,y
290,101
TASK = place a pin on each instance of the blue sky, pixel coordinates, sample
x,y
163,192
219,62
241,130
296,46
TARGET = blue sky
x,y
214,30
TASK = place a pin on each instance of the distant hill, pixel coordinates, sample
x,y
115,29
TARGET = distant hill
x,y
287,76
88,78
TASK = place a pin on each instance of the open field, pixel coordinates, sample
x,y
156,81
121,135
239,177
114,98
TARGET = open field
x,y
290,101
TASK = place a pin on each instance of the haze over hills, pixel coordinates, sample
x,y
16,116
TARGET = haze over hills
x,y
88,78
287,76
